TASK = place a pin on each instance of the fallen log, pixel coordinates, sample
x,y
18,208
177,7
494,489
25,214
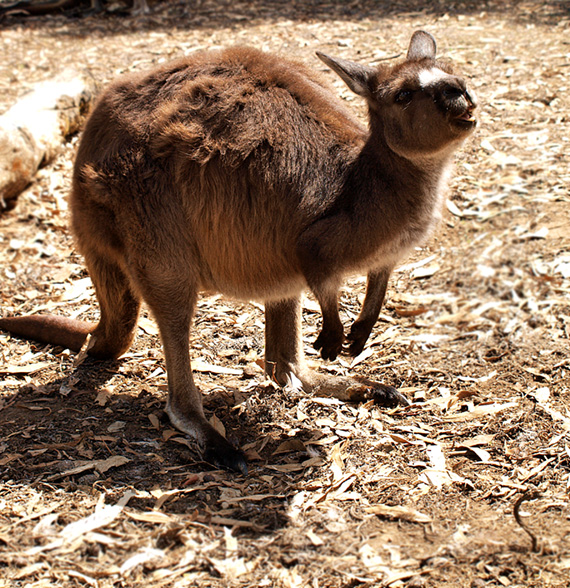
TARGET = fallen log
x,y
29,7
34,8
34,129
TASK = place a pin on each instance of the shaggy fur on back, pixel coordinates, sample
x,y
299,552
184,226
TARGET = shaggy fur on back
x,y
233,137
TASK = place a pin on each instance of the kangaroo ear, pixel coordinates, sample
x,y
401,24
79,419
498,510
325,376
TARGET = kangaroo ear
x,y
422,45
354,75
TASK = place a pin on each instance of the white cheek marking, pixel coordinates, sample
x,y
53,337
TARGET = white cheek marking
x,y
428,77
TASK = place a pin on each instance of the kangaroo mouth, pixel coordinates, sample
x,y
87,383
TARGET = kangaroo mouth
x,y
466,119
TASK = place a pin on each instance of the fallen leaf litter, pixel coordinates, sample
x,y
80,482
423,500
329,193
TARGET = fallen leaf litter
x,y
97,489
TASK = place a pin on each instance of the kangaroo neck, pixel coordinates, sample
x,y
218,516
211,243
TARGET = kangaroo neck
x,y
414,176
381,181
393,203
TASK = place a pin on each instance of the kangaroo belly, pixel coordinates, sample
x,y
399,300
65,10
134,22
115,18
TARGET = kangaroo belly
x,y
256,260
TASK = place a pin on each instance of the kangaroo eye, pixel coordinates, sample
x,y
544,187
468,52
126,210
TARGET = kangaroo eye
x,y
404,96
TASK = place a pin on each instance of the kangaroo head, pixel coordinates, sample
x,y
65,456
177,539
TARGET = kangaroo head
x,y
419,108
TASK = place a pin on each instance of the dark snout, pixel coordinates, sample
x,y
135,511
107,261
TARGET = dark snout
x,y
458,102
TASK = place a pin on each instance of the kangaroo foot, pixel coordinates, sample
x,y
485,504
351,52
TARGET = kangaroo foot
x,y
381,394
215,449
220,453
350,389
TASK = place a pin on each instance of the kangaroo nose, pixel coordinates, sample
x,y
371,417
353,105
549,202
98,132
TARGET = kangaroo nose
x,y
457,89
452,91
471,98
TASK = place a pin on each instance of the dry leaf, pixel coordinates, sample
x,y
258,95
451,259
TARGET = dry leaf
x,y
231,542
168,434
101,466
30,570
103,396
483,455
477,440
142,557
227,522
148,326
479,411
290,445
416,265
425,271
150,517
218,425
78,289
154,421
116,426
314,538
404,440
337,459
201,366
452,207
363,356
31,368
287,468
112,462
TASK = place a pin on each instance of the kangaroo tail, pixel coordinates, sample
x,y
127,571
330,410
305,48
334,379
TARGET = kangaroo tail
x,y
48,328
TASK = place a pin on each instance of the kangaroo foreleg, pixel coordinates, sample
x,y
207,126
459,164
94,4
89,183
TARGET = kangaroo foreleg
x,y
331,337
363,325
319,248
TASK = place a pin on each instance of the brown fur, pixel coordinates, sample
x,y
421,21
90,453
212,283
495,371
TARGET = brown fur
x,y
241,172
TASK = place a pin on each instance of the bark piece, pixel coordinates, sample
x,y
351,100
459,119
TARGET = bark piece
x,y
33,130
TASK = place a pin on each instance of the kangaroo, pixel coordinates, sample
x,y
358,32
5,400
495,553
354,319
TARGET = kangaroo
x,y
241,172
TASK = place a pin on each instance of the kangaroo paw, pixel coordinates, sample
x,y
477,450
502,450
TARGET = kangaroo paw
x,y
358,335
329,342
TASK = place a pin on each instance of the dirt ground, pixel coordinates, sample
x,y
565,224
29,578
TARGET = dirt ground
x,y
467,487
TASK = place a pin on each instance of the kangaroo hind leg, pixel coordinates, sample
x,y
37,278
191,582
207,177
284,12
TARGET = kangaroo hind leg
x,y
119,304
172,299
